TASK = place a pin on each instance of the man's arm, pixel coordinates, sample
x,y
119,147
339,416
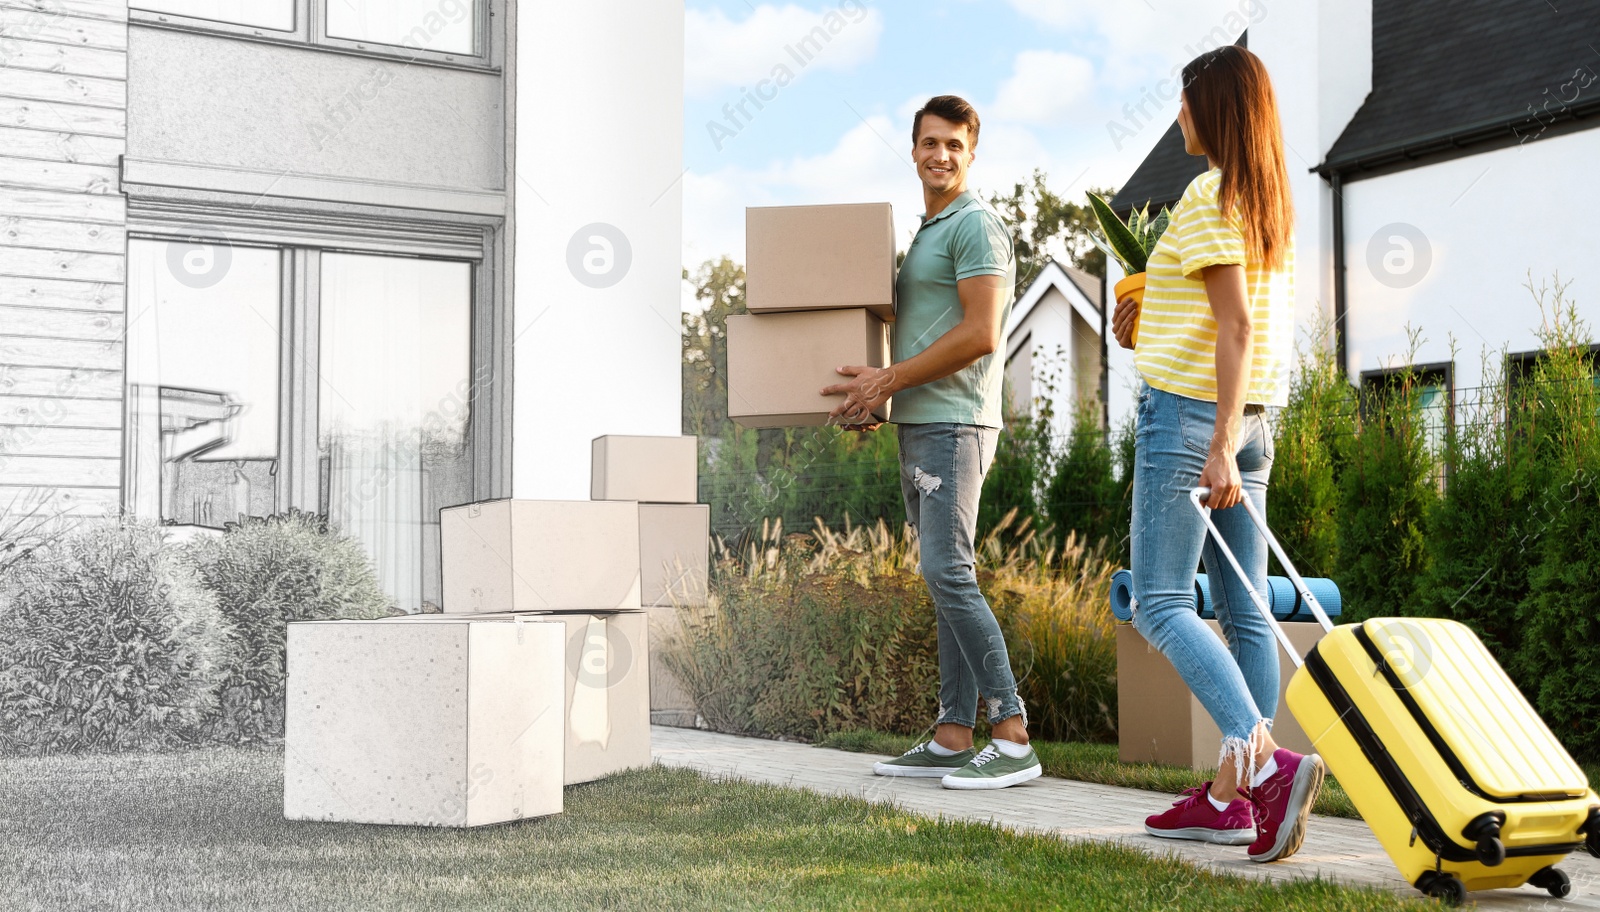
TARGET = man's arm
x,y
983,299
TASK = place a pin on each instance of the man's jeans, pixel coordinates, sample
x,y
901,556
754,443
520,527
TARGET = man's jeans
x,y
1238,685
942,467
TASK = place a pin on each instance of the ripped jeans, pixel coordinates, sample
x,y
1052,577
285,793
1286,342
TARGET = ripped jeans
x,y
942,467
1237,684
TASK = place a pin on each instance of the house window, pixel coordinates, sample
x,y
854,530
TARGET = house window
x,y
1520,369
450,32
277,15
1434,386
447,26
262,378
394,388
202,399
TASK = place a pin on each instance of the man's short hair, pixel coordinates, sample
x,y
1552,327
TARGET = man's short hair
x,y
953,108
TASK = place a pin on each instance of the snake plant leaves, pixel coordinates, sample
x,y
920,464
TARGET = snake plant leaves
x,y
1129,242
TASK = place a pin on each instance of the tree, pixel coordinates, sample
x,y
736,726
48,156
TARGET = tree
x,y
1045,225
720,284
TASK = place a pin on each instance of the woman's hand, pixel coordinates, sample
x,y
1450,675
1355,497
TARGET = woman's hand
x,y
1221,475
1123,321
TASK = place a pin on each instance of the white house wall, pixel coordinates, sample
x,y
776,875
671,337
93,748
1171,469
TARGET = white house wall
x,y
1478,226
597,195
1059,339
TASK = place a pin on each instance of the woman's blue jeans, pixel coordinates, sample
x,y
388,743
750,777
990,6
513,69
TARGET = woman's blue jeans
x,y
1237,684
942,467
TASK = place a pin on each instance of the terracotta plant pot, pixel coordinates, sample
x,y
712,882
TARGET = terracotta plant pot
x,y
1131,287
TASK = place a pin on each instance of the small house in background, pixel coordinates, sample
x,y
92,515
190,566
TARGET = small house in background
x,y
364,259
1439,154
1056,336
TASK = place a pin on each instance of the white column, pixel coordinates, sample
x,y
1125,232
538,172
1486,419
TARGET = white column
x,y
596,128
1320,57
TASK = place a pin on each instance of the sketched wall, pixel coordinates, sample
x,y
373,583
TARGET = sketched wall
x,y
227,103
62,231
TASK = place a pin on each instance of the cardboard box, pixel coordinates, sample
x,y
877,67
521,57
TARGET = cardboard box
x,y
537,555
778,362
606,702
820,258
674,541
645,469
670,703
1160,721
454,723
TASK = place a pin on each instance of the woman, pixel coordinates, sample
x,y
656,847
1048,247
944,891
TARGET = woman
x,y
1214,340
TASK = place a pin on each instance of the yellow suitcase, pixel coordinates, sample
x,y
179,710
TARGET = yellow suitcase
x,y
1463,784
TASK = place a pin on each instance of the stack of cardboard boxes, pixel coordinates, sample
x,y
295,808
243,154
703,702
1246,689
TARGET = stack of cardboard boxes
x,y
819,284
537,674
661,474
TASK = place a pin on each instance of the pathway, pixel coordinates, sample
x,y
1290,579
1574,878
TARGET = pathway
x,y
1338,849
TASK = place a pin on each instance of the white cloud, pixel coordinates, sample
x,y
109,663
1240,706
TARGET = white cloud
x,y
720,53
1173,30
1044,87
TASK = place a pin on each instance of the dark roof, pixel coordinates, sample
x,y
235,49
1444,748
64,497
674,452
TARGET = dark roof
x,y
1162,177
1447,74
1087,283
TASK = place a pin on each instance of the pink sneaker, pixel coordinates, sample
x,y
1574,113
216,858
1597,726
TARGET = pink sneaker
x,y
1283,803
1193,816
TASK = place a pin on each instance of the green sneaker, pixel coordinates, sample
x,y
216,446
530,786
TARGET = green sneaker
x,y
923,763
994,770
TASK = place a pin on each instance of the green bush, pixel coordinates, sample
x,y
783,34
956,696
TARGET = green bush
x,y
831,631
1017,475
265,572
1559,656
816,634
1083,493
1303,498
108,641
1386,490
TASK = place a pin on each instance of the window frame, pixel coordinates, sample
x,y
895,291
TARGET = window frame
x,y
311,32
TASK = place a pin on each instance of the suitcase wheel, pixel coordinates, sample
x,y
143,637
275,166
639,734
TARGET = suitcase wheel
x,y
1484,830
1591,827
1552,880
1445,887
1491,851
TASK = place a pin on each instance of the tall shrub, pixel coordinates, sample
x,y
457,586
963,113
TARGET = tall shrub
x,y
1386,490
266,572
1303,497
1017,476
1559,657
108,641
1081,496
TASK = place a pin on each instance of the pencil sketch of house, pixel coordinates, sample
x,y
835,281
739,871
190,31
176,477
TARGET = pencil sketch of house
x,y
365,258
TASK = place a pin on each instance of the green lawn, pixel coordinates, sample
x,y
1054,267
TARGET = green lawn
x,y
1090,763
204,829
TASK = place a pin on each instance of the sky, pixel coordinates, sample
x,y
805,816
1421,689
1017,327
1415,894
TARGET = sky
x,y
1079,89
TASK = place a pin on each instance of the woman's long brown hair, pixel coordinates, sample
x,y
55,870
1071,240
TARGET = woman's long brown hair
x,y
1234,114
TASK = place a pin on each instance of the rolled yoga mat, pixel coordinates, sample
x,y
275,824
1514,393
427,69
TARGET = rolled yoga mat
x,y
1285,601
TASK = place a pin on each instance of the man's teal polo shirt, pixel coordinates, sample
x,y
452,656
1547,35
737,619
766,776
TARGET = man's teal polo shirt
x,y
966,239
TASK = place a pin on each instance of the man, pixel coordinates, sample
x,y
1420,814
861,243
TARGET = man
x,y
953,295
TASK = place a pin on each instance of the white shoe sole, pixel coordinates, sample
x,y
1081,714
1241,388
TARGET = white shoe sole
x,y
1206,834
996,782
1307,783
910,772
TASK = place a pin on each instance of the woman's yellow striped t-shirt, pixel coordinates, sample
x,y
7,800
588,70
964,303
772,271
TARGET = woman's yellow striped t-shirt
x,y
1177,346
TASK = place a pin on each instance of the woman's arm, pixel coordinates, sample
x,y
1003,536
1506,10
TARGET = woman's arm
x,y
1225,288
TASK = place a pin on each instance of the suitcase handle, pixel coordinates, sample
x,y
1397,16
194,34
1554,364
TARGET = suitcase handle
x,y
1197,497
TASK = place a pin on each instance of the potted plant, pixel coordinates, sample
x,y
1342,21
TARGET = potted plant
x,y
1130,243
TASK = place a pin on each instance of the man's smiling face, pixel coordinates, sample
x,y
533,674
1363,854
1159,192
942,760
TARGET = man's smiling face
x,y
943,154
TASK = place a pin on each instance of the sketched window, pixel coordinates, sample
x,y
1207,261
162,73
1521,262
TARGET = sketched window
x,y
277,15
393,409
201,425
446,27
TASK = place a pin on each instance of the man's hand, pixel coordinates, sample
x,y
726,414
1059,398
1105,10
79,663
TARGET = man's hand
x,y
1123,321
864,394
